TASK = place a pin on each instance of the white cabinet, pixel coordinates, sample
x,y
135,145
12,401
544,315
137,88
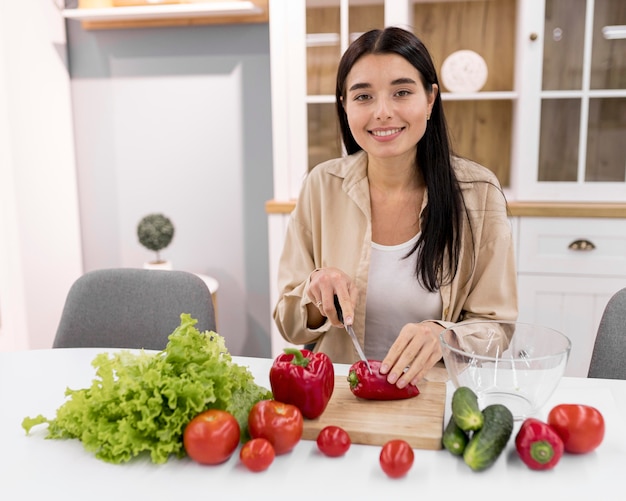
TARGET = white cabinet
x,y
568,268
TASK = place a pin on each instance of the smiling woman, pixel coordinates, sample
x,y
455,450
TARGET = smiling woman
x,y
401,204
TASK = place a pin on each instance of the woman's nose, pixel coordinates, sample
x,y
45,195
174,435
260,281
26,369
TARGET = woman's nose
x,y
383,109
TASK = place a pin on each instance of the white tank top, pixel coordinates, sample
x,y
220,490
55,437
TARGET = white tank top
x,y
394,297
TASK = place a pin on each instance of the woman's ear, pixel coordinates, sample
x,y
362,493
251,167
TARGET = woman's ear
x,y
435,90
431,98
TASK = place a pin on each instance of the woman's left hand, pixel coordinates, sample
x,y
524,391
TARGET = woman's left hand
x,y
415,351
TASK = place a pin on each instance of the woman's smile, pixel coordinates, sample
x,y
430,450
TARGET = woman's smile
x,y
386,134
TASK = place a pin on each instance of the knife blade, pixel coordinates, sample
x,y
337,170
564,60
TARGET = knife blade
x,y
352,335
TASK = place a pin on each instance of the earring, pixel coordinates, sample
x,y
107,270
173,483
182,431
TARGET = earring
x,y
427,117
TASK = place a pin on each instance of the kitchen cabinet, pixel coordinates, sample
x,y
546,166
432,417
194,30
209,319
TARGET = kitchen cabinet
x,y
568,268
549,120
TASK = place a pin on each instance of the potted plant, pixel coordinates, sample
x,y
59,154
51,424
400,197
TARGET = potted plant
x,y
155,233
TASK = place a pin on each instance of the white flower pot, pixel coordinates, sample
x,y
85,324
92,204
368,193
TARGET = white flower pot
x,y
160,265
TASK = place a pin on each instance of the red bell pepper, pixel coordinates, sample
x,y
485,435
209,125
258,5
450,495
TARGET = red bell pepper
x,y
538,445
304,379
375,386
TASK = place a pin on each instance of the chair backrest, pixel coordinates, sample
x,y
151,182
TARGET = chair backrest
x,y
132,308
608,359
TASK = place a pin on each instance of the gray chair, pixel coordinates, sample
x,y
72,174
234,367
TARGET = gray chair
x,y
608,359
131,308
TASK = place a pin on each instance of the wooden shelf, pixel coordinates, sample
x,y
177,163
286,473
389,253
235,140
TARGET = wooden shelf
x,y
101,14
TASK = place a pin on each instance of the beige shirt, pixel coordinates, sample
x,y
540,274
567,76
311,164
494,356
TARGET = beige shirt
x,y
331,226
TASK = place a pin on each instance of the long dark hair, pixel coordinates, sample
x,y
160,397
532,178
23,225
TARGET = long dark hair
x,y
440,239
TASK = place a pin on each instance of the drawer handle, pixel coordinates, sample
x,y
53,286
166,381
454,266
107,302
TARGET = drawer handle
x,y
581,245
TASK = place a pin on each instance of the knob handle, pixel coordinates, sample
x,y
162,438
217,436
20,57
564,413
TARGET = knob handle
x,y
581,245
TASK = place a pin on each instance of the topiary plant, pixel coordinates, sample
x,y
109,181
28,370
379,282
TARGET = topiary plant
x,y
155,232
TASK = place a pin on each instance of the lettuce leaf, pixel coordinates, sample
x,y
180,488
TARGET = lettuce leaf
x,y
141,402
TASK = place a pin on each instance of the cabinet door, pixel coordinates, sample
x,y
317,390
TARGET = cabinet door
x,y
570,142
572,305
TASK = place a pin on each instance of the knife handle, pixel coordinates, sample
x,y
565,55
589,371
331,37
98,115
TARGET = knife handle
x,y
338,308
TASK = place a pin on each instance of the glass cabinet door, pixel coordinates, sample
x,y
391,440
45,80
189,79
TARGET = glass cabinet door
x,y
330,27
583,101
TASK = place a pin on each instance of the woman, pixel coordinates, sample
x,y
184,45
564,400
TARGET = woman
x,y
409,237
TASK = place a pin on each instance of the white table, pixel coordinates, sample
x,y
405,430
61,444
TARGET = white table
x,y
33,382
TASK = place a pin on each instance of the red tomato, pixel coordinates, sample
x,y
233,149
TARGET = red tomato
x,y
396,458
278,422
211,437
333,441
581,427
257,454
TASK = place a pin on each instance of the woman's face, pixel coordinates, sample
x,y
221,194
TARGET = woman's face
x,y
386,105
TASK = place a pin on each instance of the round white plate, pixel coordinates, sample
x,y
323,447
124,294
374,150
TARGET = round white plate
x,y
464,71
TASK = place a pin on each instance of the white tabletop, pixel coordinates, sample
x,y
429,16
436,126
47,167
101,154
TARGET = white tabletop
x,y
34,382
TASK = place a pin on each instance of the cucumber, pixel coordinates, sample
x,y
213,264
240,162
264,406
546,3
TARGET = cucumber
x,y
465,410
454,439
487,444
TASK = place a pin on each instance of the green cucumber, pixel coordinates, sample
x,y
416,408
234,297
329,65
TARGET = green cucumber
x,y
454,439
487,444
465,410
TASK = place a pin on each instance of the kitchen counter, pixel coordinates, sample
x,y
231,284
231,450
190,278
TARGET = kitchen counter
x,y
33,382
516,208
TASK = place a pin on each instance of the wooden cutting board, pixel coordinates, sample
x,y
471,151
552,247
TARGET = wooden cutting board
x,y
418,420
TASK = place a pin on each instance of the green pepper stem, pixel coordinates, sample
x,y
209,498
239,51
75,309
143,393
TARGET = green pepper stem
x,y
541,451
353,379
298,357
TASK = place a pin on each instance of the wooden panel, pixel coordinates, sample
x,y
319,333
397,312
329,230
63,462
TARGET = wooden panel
x,y
481,131
484,26
417,420
563,45
322,61
608,59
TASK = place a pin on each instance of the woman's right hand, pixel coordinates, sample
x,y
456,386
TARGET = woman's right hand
x,y
324,284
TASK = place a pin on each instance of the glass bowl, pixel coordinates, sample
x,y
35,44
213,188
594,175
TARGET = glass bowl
x,y
511,363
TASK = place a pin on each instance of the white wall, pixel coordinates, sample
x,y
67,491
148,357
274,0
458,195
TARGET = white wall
x,y
40,254
178,121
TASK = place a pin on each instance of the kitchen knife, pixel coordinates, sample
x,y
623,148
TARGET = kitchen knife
x,y
352,335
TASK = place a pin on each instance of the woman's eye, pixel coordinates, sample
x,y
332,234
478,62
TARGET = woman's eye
x,y
362,97
403,93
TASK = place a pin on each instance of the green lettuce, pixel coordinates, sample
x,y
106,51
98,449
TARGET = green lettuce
x,y
141,402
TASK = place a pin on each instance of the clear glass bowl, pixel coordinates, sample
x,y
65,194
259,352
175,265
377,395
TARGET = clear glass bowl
x,y
515,364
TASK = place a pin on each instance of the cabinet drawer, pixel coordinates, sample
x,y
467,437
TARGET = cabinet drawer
x,y
579,246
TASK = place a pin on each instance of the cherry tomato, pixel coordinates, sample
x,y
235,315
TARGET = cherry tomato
x,y
581,427
396,458
211,437
257,454
278,422
333,441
